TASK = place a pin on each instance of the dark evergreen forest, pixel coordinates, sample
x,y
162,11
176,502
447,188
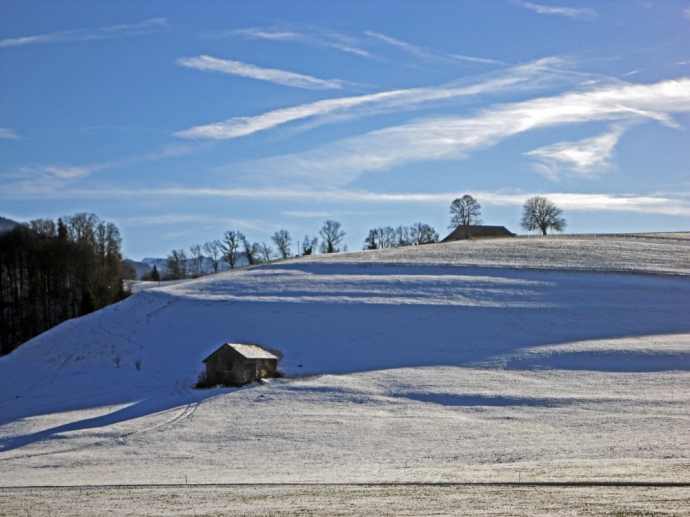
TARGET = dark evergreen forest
x,y
51,272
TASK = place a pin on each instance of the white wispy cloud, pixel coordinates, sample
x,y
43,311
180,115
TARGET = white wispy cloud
x,y
8,133
520,76
686,13
648,204
476,59
268,34
306,214
208,63
46,180
178,219
570,12
71,172
327,39
641,204
427,53
454,137
584,157
155,220
408,47
88,34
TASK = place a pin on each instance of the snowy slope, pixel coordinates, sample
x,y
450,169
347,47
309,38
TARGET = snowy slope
x,y
469,359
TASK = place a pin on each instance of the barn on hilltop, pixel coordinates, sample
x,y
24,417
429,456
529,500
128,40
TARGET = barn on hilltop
x,y
235,364
478,232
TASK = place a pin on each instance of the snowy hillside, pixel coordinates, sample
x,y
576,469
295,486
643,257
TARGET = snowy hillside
x,y
558,358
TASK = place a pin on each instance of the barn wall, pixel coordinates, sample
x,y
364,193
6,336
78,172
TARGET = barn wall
x,y
221,367
228,367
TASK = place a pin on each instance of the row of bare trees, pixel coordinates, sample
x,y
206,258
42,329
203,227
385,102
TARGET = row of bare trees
x,y
51,272
234,247
538,214
389,237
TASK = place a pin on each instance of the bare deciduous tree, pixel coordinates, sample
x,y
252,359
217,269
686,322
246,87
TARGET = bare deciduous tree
x,y
229,246
81,228
402,236
382,238
176,265
538,213
387,237
44,227
421,233
465,212
309,245
283,241
251,250
213,250
332,235
265,252
196,260
372,241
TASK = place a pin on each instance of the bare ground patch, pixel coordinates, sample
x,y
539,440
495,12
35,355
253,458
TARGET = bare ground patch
x,y
345,500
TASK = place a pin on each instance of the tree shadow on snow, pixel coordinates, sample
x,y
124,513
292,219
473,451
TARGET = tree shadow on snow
x,y
139,409
604,362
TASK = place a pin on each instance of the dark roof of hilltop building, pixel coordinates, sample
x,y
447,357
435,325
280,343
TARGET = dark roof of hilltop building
x,y
477,232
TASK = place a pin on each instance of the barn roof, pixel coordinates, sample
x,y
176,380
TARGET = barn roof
x,y
248,351
478,231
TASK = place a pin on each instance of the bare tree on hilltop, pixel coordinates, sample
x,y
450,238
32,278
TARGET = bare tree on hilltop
x,y
389,237
538,213
213,250
465,212
373,240
266,252
421,233
332,235
176,265
309,245
384,237
196,261
251,250
283,241
229,246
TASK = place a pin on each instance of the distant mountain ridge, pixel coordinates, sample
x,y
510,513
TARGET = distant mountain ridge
x,y
7,224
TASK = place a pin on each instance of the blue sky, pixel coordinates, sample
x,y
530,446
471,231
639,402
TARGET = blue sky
x,y
181,120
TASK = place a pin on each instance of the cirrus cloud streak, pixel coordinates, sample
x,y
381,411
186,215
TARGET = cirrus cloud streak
x,y
531,73
273,75
7,133
570,12
88,34
444,138
584,157
649,204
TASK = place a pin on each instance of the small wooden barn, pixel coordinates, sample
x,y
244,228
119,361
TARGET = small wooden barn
x,y
235,364
478,232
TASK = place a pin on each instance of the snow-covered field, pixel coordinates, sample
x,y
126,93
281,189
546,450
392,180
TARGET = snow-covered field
x,y
495,360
